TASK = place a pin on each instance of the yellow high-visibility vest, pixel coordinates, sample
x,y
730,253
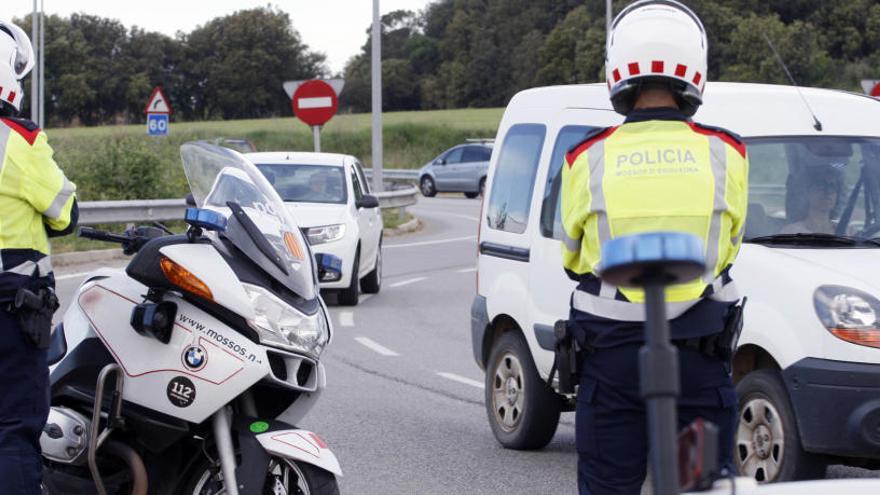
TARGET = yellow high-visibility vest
x,y
654,175
34,194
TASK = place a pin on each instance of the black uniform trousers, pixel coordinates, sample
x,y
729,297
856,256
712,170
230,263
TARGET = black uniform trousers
x,y
24,407
611,422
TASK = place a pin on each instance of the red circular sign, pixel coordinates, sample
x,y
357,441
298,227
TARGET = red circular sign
x,y
876,91
314,102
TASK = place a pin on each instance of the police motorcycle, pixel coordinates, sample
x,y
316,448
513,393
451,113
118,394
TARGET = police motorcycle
x,y
171,377
685,461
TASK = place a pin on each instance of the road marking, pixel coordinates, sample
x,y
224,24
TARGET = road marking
x,y
468,270
375,346
407,282
461,379
346,319
71,275
429,243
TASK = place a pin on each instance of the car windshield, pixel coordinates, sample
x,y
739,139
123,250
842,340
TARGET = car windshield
x,y
810,189
307,183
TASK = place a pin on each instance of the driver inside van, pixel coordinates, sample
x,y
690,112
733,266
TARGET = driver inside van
x,y
811,212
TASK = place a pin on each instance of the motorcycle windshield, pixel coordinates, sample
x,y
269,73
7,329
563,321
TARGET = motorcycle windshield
x,y
259,225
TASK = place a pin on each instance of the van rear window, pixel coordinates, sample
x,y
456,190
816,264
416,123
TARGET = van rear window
x,y
551,217
514,179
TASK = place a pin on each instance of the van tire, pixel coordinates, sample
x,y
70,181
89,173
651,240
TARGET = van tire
x,y
522,410
765,409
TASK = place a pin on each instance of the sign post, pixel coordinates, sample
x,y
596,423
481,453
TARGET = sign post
x,y
872,87
314,102
158,109
376,90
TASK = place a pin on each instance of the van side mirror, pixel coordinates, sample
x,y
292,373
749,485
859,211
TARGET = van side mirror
x,y
367,201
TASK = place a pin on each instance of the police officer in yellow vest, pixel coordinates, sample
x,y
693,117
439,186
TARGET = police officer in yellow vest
x,y
658,171
36,202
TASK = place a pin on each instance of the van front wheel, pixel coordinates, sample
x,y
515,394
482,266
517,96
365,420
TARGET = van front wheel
x,y
767,445
523,411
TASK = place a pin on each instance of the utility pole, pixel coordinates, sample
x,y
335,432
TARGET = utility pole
x,y
608,10
35,95
376,62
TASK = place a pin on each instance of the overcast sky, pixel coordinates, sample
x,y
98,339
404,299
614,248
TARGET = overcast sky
x,y
335,27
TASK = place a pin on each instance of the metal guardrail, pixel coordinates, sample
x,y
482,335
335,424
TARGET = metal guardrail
x,y
163,210
137,210
396,175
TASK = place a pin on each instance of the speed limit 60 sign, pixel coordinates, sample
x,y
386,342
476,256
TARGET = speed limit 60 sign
x,y
157,124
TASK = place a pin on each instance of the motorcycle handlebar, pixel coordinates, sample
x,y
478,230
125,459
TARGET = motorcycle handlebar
x,y
100,235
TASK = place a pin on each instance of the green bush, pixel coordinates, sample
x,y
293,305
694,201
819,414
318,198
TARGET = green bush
x,y
122,168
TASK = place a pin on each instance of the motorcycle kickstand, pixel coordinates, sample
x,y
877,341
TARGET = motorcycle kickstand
x,y
113,419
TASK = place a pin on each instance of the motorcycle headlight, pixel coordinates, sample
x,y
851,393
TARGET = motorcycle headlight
x,y
325,233
281,325
849,314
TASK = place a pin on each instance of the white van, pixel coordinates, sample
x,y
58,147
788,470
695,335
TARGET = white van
x,y
808,364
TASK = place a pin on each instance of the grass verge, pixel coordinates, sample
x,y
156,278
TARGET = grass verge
x,y
122,162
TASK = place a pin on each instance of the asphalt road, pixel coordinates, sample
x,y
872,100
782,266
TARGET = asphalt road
x,y
403,409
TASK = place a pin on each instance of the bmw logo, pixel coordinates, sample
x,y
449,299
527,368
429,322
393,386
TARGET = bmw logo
x,y
195,357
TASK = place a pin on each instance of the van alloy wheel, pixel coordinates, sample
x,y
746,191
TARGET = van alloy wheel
x,y
760,440
507,392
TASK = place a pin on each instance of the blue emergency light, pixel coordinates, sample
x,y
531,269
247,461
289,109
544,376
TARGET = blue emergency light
x,y
205,219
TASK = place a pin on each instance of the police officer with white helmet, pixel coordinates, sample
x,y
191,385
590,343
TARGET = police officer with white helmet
x,y
659,170
36,202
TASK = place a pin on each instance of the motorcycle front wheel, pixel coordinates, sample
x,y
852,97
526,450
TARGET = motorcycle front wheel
x,y
283,476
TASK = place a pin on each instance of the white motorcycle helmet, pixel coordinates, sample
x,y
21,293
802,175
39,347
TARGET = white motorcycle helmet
x,y
658,42
16,60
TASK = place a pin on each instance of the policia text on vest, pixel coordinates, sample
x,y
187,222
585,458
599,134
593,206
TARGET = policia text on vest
x,y
657,172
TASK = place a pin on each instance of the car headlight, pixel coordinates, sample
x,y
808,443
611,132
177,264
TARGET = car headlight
x,y
281,325
325,233
849,314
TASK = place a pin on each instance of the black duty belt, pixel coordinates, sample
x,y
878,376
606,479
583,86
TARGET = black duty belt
x,y
707,345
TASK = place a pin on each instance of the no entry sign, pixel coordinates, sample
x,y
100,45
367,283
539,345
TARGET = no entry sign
x,y
315,102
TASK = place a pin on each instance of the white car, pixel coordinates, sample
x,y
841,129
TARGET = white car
x,y
808,364
329,196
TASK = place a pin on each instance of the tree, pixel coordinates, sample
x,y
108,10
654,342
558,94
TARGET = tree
x,y
751,59
238,63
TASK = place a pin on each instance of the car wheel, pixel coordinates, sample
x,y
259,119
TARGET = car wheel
x,y
427,187
471,195
351,295
767,445
523,411
372,283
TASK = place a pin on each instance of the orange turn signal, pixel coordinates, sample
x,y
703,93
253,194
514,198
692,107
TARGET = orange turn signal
x,y
182,278
868,337
293,246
